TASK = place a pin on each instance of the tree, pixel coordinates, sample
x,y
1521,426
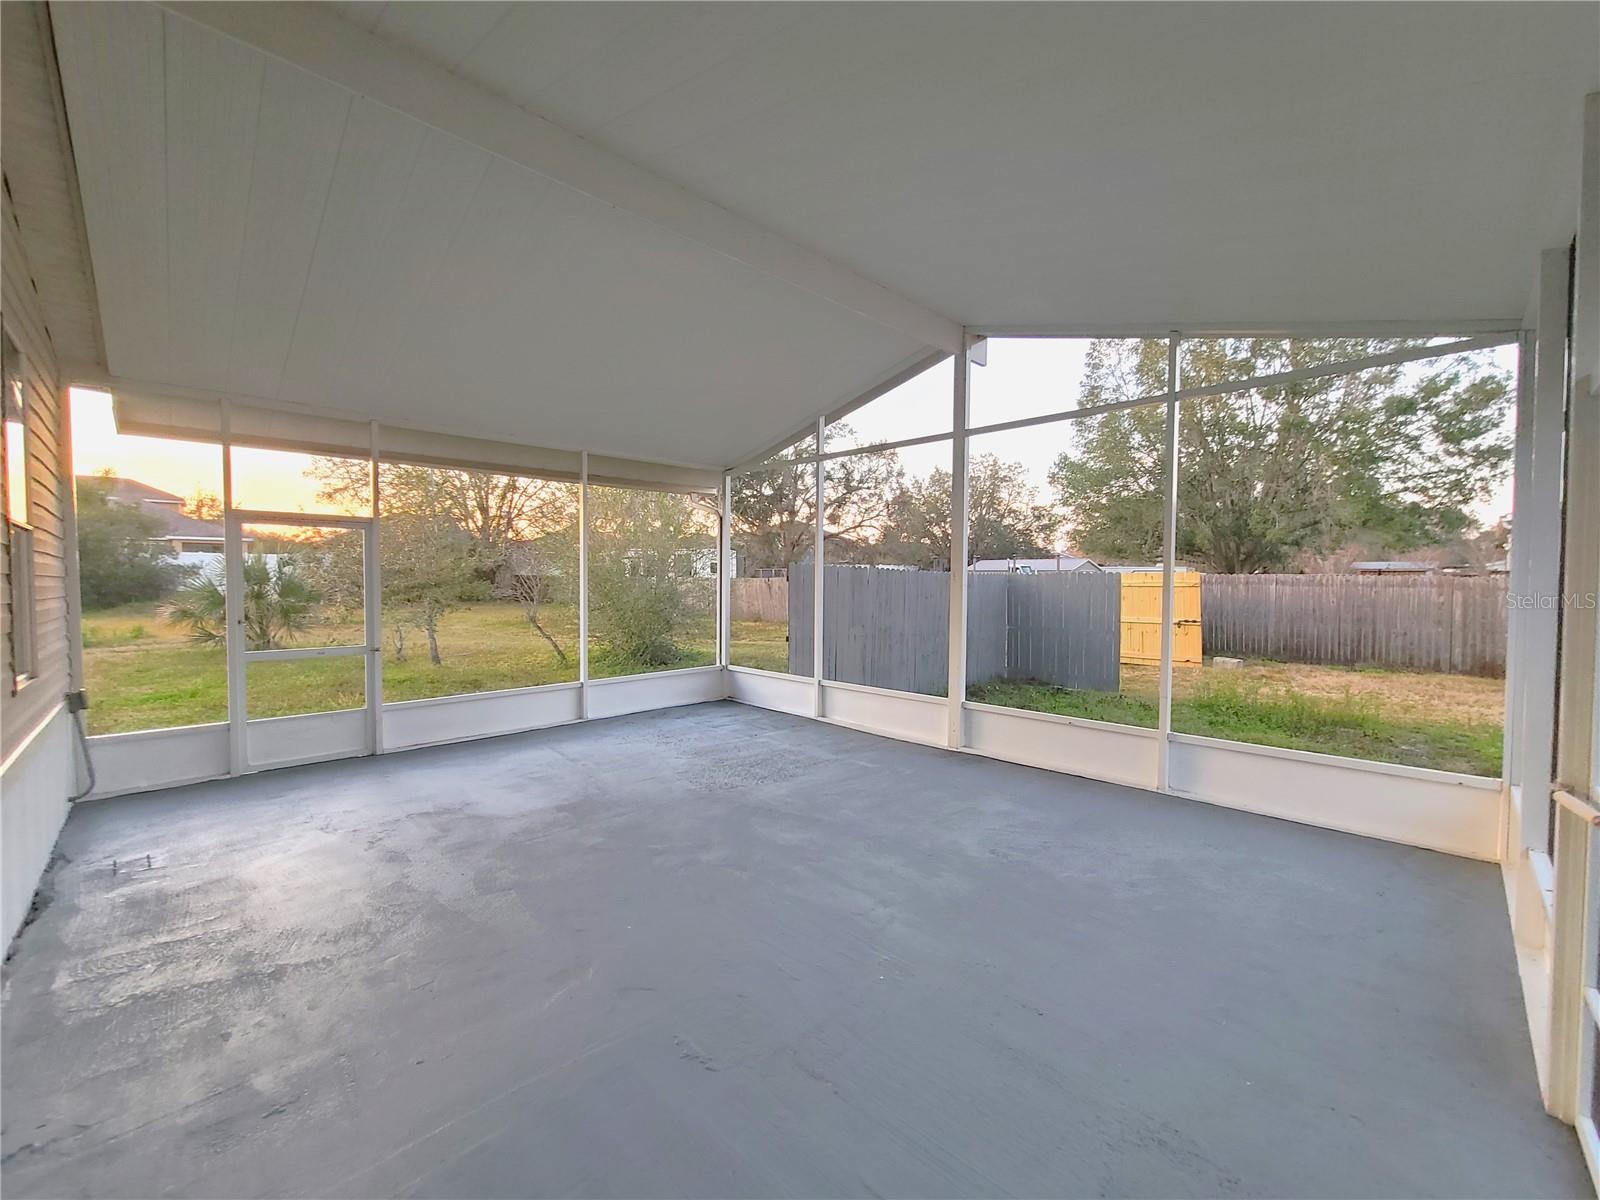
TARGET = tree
x,y
1393,456
501,523
774,509
493,509
642,582
1005,518
203,506
545,569
120,557
278,603
425,575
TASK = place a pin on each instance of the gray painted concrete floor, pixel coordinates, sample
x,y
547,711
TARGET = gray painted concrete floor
x,y
719,951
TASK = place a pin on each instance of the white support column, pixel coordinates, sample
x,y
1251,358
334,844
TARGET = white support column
x,y
818,557
583,586
233,605
373,585
1540,524
725,573
955,733
1516,617
1169,548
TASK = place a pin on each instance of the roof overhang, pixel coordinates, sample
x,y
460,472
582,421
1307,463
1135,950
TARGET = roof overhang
x,y
675,234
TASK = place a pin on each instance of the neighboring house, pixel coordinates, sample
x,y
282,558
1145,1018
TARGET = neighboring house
x,y
1036,566
697,563
527,566
195,543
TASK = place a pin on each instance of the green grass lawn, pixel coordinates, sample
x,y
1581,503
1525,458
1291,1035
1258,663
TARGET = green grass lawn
x,y
763,644
1377,716
1118,707
143,673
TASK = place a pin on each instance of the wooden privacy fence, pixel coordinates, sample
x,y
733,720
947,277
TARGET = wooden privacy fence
x,y
760,599
1061,627
1454,624
889,628
1141,617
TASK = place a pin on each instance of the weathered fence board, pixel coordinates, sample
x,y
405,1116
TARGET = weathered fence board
x,y
889,628
1065,628
988,626
760,599
1446,623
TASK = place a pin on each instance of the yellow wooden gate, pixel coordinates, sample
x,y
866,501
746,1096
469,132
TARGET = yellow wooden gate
x,y
1141,617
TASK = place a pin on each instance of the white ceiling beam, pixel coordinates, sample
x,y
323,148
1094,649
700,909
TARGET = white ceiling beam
x,y
316,39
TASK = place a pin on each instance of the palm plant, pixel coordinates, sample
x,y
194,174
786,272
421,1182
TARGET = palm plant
x,y
278,603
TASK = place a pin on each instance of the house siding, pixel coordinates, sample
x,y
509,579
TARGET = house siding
x,y
48,498
36,765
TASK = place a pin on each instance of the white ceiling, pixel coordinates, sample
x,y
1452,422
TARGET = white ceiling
x,y
257,230
1088,164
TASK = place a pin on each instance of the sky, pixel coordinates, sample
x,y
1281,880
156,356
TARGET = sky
x,y
1024,377
266,479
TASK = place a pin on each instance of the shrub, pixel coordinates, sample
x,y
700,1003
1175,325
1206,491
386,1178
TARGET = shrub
x,y
119,559
278,603
636,615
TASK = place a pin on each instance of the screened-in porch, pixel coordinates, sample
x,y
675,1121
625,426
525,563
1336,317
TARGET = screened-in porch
x,y
801,599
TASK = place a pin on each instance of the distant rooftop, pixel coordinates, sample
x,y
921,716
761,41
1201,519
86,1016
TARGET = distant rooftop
x,y
1061,562
164,506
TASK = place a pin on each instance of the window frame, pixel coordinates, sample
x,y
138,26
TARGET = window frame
x,y
21,642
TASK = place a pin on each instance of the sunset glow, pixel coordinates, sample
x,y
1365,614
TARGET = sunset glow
x,y
275,479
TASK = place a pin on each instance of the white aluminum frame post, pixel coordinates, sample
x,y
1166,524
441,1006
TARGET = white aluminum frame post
x,y
1512,749
373,582
1169,554
232,602
583,586
1538,665
956,687
819,558
725,572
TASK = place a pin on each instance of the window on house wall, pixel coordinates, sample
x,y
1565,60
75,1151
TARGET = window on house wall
x,y
1351,536
19,523
886,569
1064,579
653,580
150,571
774,543
480,580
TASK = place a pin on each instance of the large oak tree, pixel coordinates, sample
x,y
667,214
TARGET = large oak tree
x,y
1391,457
